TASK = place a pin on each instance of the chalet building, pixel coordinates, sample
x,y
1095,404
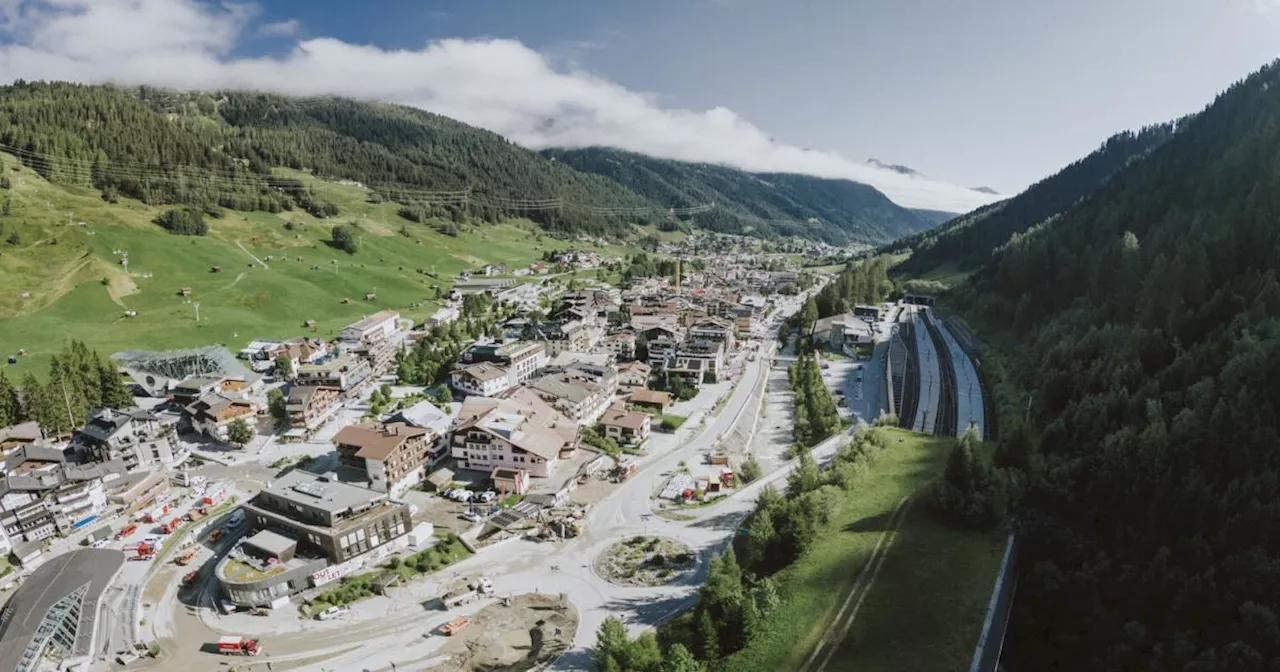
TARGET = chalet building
x,y
394,457
633,376
346,372
628,428
481,380
579,400
622,345
372,329
714,330
521,358
650,400
310,405
212,414
517,432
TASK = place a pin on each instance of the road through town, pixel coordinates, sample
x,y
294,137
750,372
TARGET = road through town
x,y
378,634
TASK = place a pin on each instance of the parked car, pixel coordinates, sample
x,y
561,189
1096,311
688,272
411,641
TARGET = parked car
x,y
99,543
333,612
465,495
488,496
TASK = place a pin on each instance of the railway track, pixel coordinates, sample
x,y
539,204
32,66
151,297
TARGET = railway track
x,y
910,378
948,405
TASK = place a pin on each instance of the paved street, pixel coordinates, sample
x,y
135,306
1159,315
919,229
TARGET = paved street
x,y
389,630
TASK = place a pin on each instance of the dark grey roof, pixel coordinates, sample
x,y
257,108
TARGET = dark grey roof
x,y
104,423
90,570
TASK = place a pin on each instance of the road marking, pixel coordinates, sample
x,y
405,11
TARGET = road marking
x,y
864,582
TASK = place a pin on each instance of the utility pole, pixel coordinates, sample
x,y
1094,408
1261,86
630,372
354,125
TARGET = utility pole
x,y
71,422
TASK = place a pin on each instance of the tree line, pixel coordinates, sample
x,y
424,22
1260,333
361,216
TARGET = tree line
x,y
968,241
740,597
816,416
79,380
434,356
218,149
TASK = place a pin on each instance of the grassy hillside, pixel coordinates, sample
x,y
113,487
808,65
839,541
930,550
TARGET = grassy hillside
x,y
923,611
207,148
78,289
836,211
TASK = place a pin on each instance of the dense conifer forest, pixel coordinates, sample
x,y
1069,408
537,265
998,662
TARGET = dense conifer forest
x,y
1147,486
968,241
207,149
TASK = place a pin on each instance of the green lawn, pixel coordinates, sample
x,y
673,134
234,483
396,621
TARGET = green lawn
x,y
76,288
925,608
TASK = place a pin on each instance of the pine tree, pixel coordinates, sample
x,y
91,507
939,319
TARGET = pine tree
x,y
10,404
708,637
277,406
679,659
114,394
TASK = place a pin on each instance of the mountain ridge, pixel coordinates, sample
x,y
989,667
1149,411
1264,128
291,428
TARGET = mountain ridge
x,y
835,210
968,240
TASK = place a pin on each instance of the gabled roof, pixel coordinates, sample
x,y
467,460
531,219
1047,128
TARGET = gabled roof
x,y
632,420
377,443
425,414
647,396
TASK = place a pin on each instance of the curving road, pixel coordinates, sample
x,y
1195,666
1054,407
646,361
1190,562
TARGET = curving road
x,y
375,636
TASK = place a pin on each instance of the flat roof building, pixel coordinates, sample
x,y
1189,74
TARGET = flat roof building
x,y
307,529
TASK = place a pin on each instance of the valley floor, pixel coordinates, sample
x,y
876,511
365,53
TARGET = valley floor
x,y
886,587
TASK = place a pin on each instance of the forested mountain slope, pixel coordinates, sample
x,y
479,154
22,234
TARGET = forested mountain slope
x,y
216,148
968,241
836,211
1150,484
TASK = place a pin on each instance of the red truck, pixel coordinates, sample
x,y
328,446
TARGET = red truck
x,y
230,645
128,530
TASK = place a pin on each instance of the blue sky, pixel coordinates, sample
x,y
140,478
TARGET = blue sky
x,y
998,92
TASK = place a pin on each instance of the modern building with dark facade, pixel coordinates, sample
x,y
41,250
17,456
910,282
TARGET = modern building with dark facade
x,y
306,530
55,619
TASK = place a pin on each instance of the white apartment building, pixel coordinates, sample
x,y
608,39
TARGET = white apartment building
x,y
482,380
519,432
372,329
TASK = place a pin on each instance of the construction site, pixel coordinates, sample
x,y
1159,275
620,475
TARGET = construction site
x,y
519,633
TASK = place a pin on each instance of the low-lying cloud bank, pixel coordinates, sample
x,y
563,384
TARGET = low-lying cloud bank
x,y
501,85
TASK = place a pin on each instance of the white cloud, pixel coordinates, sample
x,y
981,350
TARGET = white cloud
x,y
497,84
280,28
